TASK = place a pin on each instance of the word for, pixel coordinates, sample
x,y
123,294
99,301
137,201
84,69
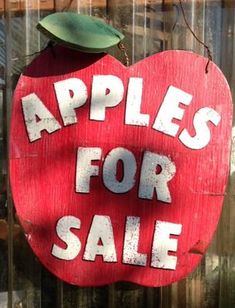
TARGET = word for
x,y
100,242
149,181
108,91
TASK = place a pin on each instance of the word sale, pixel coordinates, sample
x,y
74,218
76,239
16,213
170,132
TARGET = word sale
x,y
102,230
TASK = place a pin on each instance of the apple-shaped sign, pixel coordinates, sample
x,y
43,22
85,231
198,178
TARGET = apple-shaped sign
x,y
119,173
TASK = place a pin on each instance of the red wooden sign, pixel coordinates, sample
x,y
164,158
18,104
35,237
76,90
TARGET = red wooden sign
x,y
119,173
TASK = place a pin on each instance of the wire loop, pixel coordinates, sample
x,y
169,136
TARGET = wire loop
x,y
209,55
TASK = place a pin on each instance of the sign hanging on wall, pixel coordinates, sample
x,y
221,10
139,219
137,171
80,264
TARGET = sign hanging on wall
x,y
120,173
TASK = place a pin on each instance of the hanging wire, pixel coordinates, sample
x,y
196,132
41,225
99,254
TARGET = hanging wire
x,y
49,44
122,47
209,55
177,16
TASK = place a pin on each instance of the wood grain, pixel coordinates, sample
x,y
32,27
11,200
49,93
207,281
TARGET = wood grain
x,y
45,168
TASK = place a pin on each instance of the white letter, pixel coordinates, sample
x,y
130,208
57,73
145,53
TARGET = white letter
x,y
63,231
150,180
203,136
110,170
133,104
84,169
170,110
101,230
131,242
68,102
34,109
107,91
162,243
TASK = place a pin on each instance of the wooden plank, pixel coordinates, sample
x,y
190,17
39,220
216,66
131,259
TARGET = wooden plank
x,y
47,5
35,5
141,32
1,6
18,6
14,5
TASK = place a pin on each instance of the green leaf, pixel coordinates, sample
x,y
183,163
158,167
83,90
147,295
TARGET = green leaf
x,y
85,33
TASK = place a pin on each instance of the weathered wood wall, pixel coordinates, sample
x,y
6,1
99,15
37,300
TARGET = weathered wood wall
x,y
149,26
